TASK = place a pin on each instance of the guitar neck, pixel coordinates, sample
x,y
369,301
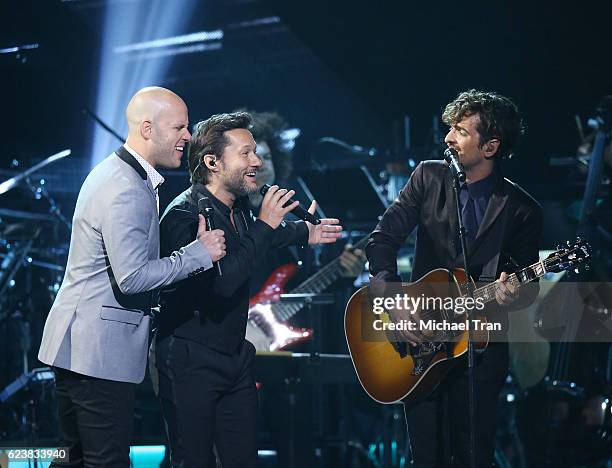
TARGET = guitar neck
x,y
526,275
313,285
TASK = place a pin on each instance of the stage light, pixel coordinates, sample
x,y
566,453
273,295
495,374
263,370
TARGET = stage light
x,y
255,23
176,51
201,36
19,48
147,456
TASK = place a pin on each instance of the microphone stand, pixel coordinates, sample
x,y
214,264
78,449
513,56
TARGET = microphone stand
x,y
603,126
470,293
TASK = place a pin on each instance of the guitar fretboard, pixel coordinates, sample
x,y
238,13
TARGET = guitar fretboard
x,y
313,285
526,275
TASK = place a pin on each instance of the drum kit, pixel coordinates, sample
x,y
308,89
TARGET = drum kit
x,y
33,251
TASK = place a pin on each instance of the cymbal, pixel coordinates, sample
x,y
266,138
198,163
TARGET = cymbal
x,y
13,181
16,231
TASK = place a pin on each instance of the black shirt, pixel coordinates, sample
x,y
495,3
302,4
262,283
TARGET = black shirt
x,y
480,191
209,308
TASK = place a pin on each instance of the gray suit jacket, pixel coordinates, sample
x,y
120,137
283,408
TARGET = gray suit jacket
x,y
99,322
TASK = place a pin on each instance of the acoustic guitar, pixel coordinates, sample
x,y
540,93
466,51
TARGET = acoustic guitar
x,y
391,370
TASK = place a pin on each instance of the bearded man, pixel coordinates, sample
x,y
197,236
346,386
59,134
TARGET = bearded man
x,y
203,360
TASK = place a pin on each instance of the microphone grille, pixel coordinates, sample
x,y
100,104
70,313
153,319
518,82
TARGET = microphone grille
x,y
449,153
264,189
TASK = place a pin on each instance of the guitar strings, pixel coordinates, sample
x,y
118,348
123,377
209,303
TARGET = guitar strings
x,y
488,291
317,282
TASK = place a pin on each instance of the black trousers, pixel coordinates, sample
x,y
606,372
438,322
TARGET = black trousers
x,y
439,426
207,397
96,418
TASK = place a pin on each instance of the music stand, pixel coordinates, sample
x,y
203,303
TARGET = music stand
x,y
308,299
40,374
349,194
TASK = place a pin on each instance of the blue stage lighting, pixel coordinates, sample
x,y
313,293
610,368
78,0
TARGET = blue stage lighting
x,y
137,29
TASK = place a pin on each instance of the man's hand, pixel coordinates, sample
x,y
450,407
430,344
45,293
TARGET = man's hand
x,y
352,261
413,337
272,211
214,240
505,293
324,233
380,288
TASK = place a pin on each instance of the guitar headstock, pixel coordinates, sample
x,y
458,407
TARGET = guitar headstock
x,y
569,256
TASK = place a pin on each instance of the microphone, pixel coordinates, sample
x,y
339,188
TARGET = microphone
x,y
451,157
206,209
298,210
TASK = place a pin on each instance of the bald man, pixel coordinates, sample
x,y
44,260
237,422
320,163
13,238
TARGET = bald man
x,y
96,334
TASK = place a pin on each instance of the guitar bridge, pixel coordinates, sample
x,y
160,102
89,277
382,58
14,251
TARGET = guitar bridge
x,y
401,348
422,355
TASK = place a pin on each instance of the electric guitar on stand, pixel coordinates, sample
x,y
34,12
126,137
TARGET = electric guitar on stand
x,y
267,326
391,371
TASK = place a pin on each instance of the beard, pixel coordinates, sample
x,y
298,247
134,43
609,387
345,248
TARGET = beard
x,y
256,199
236,184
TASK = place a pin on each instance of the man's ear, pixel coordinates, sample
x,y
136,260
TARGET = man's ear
x,y
146,128
210,161
491,147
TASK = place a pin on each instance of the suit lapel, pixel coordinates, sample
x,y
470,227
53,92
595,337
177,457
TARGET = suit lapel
x,y
127,157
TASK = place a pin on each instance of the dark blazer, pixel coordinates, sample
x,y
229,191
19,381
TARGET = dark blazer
x,y
427,202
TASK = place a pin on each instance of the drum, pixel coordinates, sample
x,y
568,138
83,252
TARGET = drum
x,y
563,424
